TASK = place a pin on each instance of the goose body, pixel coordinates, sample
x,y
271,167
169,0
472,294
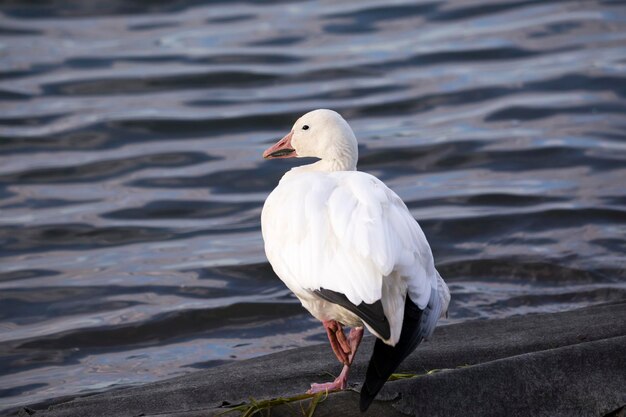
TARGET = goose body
x,y
347,246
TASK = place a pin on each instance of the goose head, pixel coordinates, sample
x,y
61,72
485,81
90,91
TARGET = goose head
x,y
321,134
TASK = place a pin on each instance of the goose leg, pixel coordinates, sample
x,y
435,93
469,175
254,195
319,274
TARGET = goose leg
x,y
352,344
337,339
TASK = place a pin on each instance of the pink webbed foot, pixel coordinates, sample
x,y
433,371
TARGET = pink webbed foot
x,y
338,384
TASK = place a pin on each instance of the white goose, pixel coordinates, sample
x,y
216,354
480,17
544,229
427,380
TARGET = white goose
x,y
349,249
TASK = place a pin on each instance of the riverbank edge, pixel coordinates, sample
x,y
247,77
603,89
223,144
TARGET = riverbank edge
x,y
549,364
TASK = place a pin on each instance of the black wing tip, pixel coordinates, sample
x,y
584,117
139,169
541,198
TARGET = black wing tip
x,y
372,314
384,331
365,402
367,396
378,372
385,359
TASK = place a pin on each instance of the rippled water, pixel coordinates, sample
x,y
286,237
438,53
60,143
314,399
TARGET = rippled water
x,y
131,181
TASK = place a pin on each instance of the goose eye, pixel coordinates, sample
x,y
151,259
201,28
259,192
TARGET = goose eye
x,y
305,127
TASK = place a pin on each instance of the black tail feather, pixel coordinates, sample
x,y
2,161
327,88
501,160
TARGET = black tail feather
x,y
386,359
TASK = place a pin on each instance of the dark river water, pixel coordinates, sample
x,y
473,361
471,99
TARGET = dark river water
x,y
131,177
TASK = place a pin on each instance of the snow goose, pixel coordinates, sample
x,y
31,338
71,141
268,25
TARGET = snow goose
x,y
349,249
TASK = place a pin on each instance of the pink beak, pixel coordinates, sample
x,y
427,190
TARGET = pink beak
x,y
282,149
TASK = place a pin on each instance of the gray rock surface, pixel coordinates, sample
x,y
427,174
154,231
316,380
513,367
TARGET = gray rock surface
x,y
561,364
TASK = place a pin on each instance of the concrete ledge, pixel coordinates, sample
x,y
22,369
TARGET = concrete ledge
x,y
561,364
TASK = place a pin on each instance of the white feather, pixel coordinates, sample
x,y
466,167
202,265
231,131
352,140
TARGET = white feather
x,y
347,232
329,226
